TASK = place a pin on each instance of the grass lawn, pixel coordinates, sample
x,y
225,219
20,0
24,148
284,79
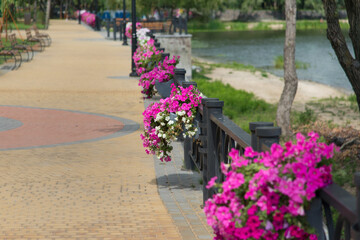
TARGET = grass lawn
x,y
22,26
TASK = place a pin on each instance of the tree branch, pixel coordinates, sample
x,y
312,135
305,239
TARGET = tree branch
x,y
335,35
353,12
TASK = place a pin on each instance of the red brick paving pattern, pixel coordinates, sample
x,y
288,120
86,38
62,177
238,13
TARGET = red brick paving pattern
x,y
48,127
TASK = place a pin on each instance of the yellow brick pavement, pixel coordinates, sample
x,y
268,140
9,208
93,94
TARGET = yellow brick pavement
x,y
96,190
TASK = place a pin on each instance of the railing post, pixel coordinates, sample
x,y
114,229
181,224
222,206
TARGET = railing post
x,y
267,135
211,106
188,162
157,45
188,84
120,31
252,127
124,30
179,76
164,55
356,227
108,27
79,17
114,29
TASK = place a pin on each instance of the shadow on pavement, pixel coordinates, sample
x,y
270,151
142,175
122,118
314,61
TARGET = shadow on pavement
x,y
190,181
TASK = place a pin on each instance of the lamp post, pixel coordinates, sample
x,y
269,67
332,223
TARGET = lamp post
x,y
79,17
124,24
133,39
97,18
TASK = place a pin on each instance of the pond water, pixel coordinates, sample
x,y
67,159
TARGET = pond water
x,y
260,48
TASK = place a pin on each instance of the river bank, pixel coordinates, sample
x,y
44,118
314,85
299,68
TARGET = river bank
x,y
268,25
261,49
328,103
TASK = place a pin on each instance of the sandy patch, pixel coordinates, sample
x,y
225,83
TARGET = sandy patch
x,y
276,26
252,25
270,88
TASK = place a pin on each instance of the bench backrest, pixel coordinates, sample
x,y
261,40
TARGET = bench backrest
x,y
119,20
12,38
28,33
153,25
36,30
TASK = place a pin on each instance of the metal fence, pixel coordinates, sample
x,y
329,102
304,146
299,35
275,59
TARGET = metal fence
x,y
339,210
176,25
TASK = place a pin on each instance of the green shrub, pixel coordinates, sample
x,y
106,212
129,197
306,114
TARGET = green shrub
x,y
279,63
240,106
303,118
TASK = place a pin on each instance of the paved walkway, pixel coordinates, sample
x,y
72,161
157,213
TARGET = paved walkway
x,y
72,163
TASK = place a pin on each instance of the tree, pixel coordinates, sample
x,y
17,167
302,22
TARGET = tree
x,y
291,81
48,6
349,63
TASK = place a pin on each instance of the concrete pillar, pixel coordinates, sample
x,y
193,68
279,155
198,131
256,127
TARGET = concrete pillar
x,y
178,45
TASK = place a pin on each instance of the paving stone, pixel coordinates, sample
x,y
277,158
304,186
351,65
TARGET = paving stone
x,y
103,189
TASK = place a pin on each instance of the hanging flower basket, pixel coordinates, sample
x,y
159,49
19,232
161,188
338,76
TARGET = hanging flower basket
x,y
173,117
265,195
163,72
197,128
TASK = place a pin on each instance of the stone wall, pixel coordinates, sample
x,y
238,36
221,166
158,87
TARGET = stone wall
x,y
178,45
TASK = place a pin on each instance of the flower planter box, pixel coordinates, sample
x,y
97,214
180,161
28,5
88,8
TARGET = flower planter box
x,y
196,123
164,88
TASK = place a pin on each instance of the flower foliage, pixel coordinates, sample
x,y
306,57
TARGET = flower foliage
x,y
163,72
164,121
146,57
142,38
265,195
88,18
128,29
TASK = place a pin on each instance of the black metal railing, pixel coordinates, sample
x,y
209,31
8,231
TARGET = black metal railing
x,y
178,25
340,213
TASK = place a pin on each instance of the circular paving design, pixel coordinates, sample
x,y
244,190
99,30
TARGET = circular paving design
x,y
27,127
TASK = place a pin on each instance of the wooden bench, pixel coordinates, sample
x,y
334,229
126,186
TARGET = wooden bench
x,y
119,21
39,43
45,36
21,47
154,26
13,54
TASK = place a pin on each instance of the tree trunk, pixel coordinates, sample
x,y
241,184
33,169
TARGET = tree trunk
x,y
35,11
47,14
350,65
61,9
291,81
67,9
